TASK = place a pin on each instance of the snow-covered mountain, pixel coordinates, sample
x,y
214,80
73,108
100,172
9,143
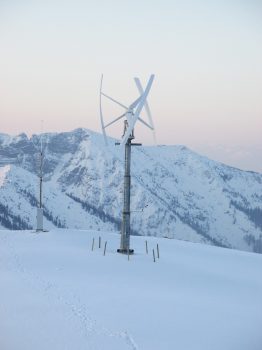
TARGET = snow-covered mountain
x,y
175,191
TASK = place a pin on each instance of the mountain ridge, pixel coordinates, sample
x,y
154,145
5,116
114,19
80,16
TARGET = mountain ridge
x,y
175,191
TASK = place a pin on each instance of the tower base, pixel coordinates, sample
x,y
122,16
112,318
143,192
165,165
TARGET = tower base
x,y
39,219
125,251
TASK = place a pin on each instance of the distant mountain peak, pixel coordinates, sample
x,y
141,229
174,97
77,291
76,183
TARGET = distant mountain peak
x,y
174,189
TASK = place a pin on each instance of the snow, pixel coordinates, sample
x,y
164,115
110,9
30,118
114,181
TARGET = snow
x,y
3,172
181,192
18,181
58,294
5,139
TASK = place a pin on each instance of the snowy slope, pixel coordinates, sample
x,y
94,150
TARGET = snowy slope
x,y
58,294
20,188
180,192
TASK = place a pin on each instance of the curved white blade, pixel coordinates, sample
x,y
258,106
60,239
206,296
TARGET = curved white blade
x,y
135,103
137,112
140,89
101,113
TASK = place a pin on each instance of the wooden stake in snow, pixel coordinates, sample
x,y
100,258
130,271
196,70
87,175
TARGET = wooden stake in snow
x,y
128,253
99,242
105,248
93,243
146,248
157,248
154,258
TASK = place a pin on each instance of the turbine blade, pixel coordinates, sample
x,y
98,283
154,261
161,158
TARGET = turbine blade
x,y
110,98
101,112
121,116
135,103
145,123
138,111
140,89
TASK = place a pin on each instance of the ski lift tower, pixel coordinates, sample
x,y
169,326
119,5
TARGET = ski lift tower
x,y
131,115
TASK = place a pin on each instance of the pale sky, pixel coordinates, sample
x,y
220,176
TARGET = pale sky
x,y
206,57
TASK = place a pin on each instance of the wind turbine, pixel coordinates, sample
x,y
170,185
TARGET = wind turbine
x,y
130,116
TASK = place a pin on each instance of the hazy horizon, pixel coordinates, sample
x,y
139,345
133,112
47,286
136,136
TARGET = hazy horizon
x,y
245,159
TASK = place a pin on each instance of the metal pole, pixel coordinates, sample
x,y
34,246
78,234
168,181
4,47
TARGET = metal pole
x,y
105,248
154,258
125,229
41,179
39,215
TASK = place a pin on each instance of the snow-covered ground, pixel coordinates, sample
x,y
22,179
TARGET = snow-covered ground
x,y
56,293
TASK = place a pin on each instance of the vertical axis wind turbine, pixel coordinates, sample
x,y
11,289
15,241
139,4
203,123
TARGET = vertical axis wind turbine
x,y
131,116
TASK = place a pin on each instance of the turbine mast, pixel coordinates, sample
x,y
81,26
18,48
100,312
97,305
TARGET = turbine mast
x,y
132,115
